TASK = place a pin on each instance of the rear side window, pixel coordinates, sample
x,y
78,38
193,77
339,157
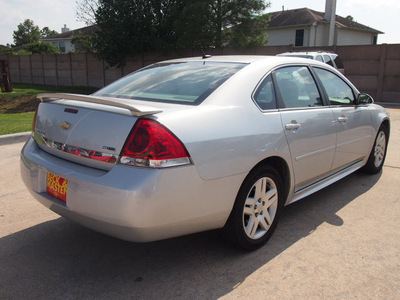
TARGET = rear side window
x,y
265,94
297,87
319,58
328,60
338,91
179,82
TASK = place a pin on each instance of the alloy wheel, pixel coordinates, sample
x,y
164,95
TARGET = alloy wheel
x,y
260,208
380,148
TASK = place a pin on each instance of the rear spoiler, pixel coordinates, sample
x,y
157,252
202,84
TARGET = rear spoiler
x,y
135,111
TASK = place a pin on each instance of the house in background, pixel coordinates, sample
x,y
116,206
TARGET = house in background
x,y
63,40
305,27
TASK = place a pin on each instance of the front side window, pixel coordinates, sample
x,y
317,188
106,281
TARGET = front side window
x,y
297,87
176,82
265,95
339,93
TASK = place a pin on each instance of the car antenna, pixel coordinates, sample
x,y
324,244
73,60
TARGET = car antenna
x,y
204,54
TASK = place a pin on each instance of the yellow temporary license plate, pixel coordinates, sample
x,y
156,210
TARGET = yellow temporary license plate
x,y
57,186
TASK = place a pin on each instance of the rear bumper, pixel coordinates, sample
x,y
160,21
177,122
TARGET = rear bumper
x,y
130,203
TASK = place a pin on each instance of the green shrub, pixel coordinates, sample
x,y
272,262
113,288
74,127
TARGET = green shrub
x,y
5,51
24,52
42,48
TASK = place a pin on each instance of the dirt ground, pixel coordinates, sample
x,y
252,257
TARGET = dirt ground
x,y
340,243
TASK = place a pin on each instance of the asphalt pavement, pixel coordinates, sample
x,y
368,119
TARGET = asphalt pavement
x,y
340,243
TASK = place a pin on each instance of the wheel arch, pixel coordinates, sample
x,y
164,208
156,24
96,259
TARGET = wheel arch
x,y
386,123
283,170
233,231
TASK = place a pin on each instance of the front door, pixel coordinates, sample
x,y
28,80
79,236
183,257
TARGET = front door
x,y
309,126
353,122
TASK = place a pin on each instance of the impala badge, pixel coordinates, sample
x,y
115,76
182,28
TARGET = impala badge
x,y
65,125
108,148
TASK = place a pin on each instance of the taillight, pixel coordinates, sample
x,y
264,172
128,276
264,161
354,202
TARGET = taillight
x,y
34,120
150,144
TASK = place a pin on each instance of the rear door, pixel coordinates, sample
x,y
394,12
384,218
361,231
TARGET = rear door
x,y
308,125
352,122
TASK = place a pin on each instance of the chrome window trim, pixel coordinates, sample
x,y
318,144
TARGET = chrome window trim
x,y
303,108
270,73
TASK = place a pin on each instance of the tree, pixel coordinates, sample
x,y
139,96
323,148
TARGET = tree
x,y
225,14
26,33
219,23
86,11
83,43
193,28
128,27
45,32
5,50
251,32
42,48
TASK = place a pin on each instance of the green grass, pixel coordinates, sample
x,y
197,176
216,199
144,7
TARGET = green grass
x,y
31,90
14,123
18,107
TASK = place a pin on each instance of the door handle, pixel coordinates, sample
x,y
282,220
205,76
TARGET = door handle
x,y
292,126
342,119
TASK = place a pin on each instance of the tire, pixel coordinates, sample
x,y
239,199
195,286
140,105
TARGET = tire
x,y
256,211
378,153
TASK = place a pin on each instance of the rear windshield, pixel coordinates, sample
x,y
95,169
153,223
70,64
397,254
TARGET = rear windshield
x,y
339,62
181,82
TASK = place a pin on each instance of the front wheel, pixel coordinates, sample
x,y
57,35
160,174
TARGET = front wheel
x,y
378,152
256,211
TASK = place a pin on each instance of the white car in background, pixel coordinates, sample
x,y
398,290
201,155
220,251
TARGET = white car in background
x,y
194,144
329,58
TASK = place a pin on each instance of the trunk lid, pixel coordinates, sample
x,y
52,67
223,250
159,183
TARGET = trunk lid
x,y
85,129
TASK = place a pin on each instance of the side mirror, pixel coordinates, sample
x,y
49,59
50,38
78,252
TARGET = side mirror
x,y
364,99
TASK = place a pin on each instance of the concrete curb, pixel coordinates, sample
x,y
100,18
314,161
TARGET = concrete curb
x,y
14,138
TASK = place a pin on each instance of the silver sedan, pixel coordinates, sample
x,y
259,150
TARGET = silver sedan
x,y
188,145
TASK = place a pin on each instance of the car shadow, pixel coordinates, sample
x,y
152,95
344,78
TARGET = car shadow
x,y
59,259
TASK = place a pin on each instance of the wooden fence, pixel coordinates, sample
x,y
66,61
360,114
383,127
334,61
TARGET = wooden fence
x,y
374,69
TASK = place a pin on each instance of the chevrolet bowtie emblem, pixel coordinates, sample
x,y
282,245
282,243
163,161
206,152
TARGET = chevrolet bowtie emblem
x,y
65,125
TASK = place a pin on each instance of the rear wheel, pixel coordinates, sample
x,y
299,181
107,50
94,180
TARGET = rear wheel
x,y
256,211
378,153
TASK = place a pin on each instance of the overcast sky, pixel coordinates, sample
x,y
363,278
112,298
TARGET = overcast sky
x,y
380,15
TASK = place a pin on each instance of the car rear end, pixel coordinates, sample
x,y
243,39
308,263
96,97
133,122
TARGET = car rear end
x,y
108,164
338,63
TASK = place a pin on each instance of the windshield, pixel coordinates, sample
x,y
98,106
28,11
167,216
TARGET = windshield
x,y
181,82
